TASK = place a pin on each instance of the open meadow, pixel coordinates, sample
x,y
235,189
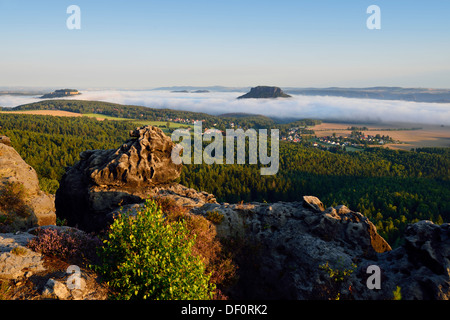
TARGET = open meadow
x,y
56,113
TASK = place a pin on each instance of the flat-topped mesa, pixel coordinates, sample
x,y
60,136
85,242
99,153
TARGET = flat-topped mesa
x,y
145,161
61,94
264,92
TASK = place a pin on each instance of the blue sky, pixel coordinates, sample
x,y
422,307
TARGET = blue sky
x,y
145,44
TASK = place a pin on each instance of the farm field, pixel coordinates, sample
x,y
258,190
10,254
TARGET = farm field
x,y
427,136
100,117
162,123
56,113
103,117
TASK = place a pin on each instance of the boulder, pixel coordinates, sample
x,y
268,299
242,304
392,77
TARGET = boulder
x,y
5,140
57,289
141,162
15,258
287,250
14,170
420,267
285,243
313,203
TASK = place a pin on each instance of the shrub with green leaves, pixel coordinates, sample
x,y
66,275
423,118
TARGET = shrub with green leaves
x,y
337,284
146,257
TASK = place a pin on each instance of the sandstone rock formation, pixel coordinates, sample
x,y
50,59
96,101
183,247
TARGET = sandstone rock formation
x,y
104,180
420,267
145,161
286,245
5,140
13,169
15,258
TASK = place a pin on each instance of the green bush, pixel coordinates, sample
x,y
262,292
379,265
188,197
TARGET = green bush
x,y
145,257
337,284
218,259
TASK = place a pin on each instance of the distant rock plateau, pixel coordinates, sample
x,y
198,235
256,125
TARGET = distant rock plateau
x,y
61,94
264,92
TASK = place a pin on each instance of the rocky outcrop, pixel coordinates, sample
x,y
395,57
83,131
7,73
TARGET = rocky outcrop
x,y
14,170
139,163
179,194
286,246
264,92
16,258
420,267
286,242
60,94
104,180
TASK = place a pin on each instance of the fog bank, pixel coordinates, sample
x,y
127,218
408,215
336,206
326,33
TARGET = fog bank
x,y
318,107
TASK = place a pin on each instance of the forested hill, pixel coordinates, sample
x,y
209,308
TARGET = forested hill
x,y
221,122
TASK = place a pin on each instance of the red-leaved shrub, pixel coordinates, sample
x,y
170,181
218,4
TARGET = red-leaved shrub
x,y
68,245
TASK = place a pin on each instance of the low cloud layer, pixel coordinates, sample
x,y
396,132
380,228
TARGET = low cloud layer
x,y
335,108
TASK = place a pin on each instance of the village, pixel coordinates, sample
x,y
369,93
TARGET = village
x,y
356,140
190,122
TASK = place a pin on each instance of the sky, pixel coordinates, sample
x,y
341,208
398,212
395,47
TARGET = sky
x,y
288,43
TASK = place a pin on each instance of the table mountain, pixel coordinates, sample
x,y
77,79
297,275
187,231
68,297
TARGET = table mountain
x,y
60,94
264,92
